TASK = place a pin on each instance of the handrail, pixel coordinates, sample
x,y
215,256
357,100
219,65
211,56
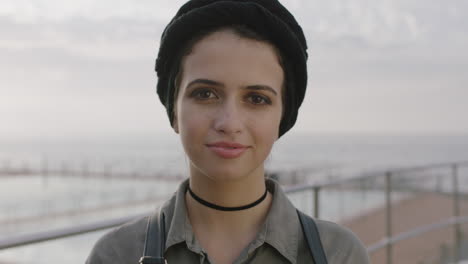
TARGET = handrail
x,y
27,239
378,173
22,240
420,230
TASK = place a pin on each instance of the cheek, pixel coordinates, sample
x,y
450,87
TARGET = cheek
x,y
189,136
192,125
266,130
271,123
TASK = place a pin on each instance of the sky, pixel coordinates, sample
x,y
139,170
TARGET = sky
x,y
71,69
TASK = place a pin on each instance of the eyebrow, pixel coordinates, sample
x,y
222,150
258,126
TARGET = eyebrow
x,y
204,81
261,87
258,87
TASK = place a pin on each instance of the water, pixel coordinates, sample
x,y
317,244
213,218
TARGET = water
x,y
322,155
292,151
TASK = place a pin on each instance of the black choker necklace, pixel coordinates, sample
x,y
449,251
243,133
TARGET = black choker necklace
x,y
223,208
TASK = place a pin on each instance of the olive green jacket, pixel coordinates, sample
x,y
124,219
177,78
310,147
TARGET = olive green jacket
x,y
280,239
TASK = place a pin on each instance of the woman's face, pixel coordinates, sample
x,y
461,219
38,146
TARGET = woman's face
x,y
229,105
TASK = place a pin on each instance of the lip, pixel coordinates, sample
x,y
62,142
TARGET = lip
x,y
227,150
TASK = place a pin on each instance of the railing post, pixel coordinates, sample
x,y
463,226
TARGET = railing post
x,y
456,212
388,215
44,170
6,167
63,169
316,202
84,169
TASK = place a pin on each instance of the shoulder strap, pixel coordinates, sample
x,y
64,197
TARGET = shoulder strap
x,y
155,240
309,228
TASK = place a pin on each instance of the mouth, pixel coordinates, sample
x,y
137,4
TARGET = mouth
x,y
227,150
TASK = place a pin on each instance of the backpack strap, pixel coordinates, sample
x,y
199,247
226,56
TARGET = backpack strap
x,y
155,240
309,228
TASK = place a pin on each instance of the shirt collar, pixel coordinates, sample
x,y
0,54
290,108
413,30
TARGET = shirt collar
x,y
282,223
177,219
281,228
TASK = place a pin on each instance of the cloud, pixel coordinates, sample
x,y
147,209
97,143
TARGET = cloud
x,y
376,22
382,22
374,65
58,10
78,56
109,38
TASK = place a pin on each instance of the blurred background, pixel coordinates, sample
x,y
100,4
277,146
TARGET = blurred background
x,y
380,144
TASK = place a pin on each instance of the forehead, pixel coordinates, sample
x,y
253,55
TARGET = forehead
x,y
226,57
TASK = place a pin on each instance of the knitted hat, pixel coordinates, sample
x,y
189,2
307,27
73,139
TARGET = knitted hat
x,y
268,18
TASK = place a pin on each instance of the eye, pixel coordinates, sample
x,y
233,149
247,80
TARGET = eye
x,y
203,94
257,99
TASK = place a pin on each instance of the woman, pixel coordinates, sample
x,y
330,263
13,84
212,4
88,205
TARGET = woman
x,y
232,75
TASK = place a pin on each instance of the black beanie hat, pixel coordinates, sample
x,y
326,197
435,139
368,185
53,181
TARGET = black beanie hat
x,y
268,18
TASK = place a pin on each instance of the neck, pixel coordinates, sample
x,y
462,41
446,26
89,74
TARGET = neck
x,y
220,230
227,193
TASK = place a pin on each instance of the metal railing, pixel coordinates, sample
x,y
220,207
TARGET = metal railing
x,y
388,185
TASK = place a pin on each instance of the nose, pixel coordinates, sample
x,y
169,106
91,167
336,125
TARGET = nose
x,y
228,119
